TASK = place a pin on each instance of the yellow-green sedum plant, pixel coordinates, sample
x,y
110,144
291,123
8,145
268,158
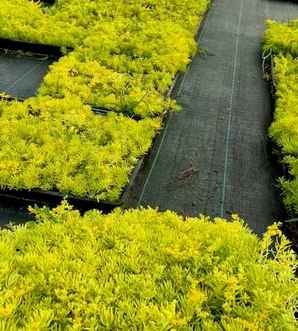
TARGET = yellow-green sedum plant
x,y
144,270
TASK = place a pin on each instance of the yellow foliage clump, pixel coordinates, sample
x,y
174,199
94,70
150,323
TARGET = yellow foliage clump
x,y
144,270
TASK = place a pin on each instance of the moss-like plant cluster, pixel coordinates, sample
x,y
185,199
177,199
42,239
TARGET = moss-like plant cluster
x,y
125,56
144,270
282,39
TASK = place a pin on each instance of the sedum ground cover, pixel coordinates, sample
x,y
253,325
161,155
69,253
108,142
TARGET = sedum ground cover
x,y
144,270
125,56
283,40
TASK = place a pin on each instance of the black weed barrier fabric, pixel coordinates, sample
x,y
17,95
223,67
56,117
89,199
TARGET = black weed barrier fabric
x,y
20,76
214,157
23,66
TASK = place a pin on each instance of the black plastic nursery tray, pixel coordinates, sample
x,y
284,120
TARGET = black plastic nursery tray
x,y
20,198
32,48
52,199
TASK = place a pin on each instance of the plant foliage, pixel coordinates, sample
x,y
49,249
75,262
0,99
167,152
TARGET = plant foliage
x,y
144,270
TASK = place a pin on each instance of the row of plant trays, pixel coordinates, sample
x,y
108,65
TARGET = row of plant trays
x,y
55,52
290,223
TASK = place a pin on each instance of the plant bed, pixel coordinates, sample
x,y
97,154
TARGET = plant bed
x,y
283,129
52,198
170,93
275,149
48,52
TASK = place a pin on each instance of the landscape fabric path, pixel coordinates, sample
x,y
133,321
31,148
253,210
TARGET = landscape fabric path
x,y
213,156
